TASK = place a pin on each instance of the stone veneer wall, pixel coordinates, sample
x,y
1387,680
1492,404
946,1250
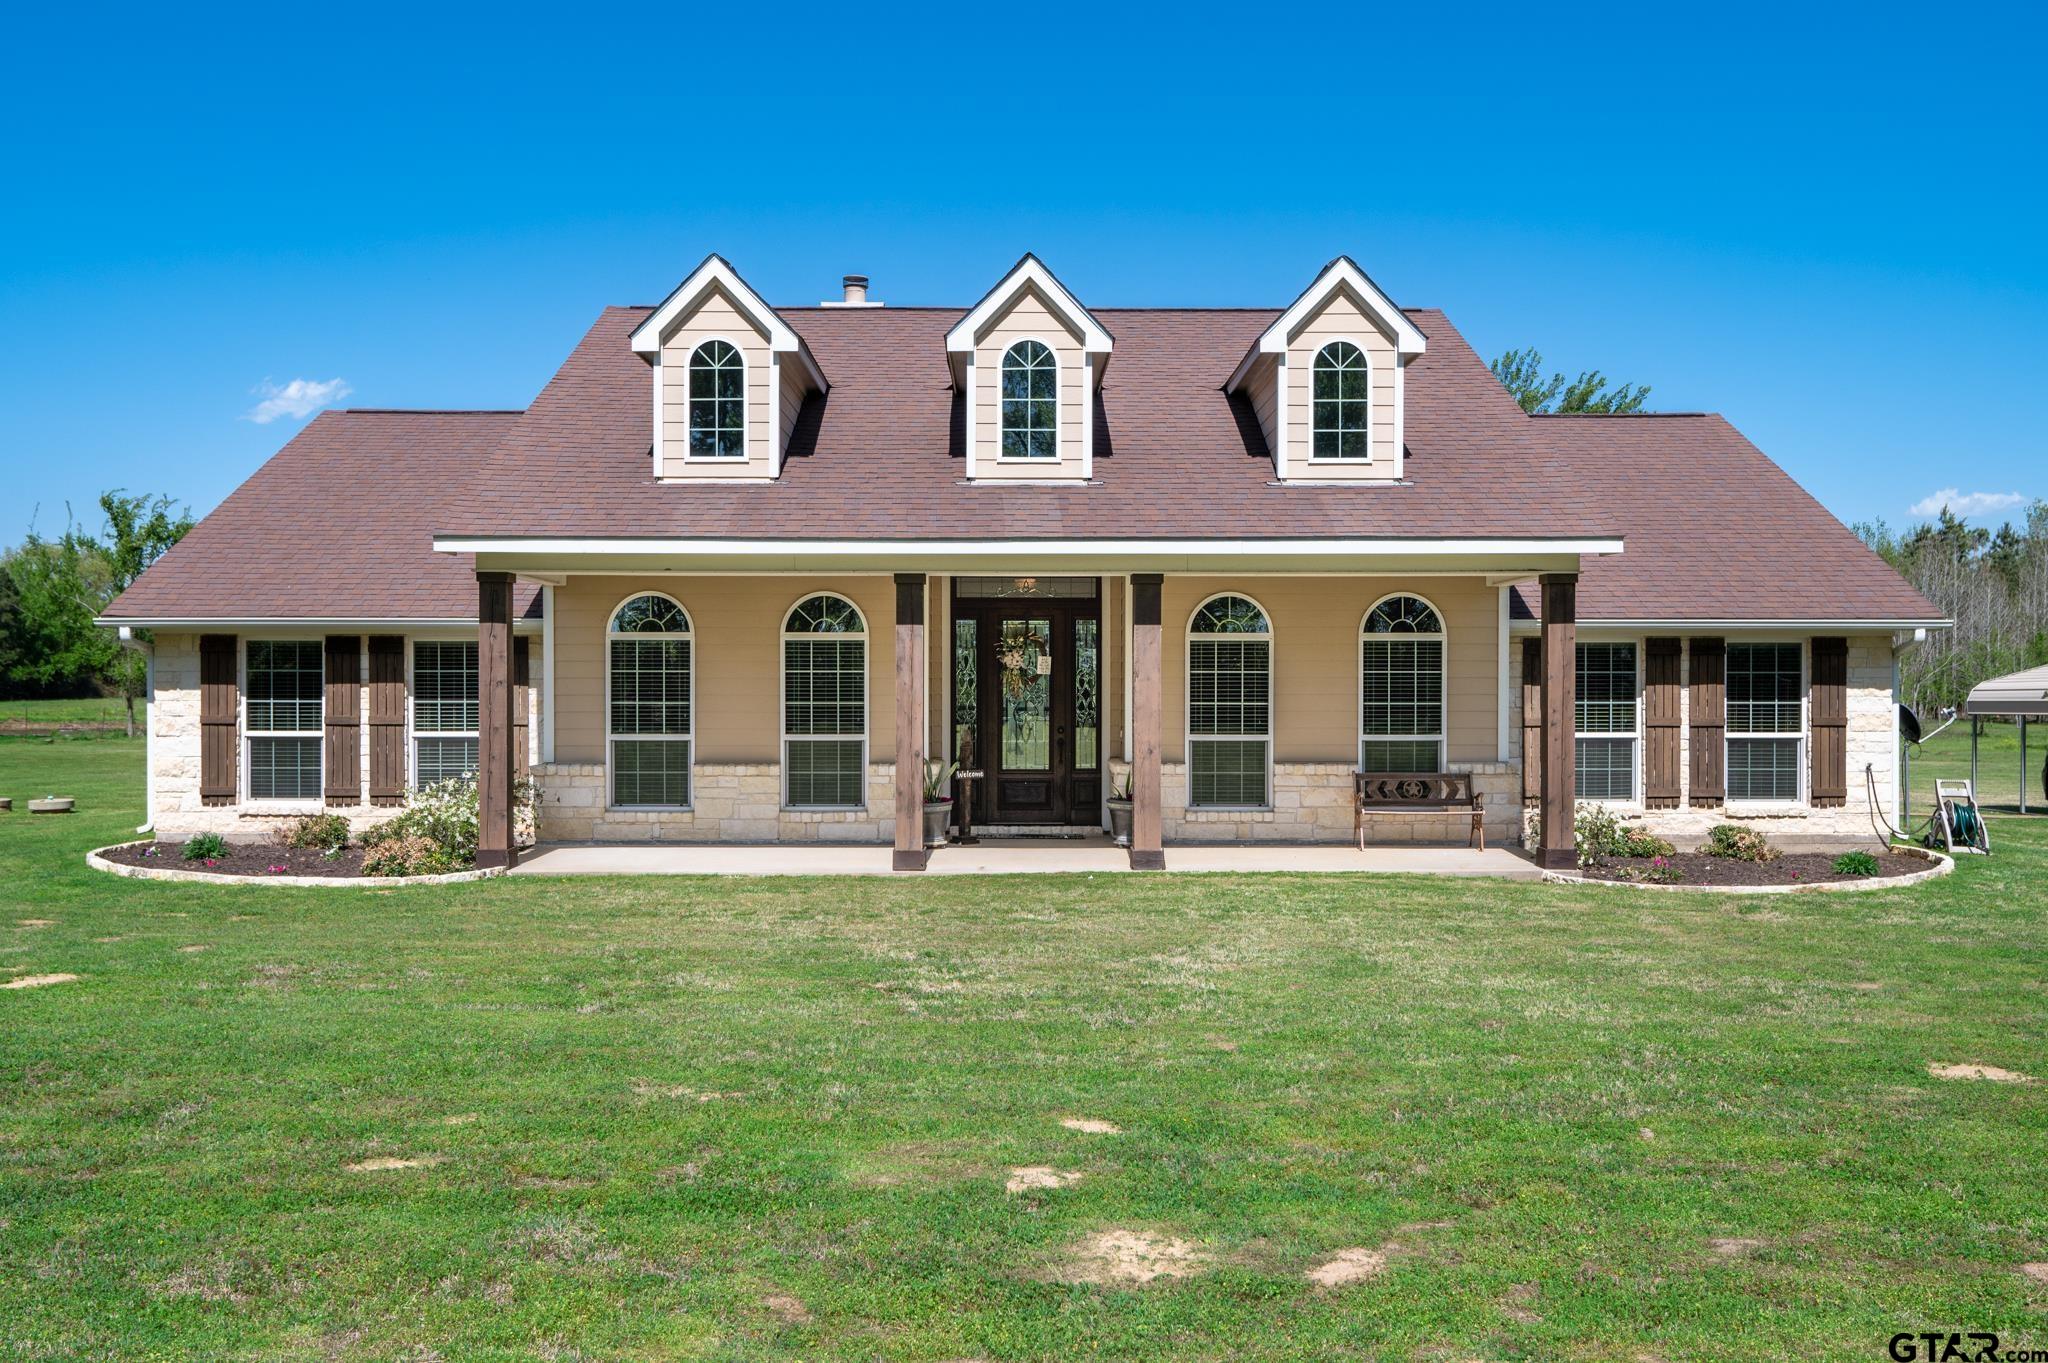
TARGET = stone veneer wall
x,y
1872,742
736,802
173,726
1312,803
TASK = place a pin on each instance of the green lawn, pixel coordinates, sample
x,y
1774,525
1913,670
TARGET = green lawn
x,y
90,710
680,1119
1998,765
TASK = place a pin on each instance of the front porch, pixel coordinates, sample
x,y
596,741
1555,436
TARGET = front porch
x,y
756,722
1014,856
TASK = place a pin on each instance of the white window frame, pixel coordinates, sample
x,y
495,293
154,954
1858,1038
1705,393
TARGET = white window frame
x,y
1059,444
1189,737
1634,735
1309,417
690,456
867,697
318,800
611,739
1802,738
413,732
1443,638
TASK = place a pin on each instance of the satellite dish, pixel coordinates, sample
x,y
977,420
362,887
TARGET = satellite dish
x,y
1909,724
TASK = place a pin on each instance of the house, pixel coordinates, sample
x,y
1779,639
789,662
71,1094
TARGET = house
x,y
738,568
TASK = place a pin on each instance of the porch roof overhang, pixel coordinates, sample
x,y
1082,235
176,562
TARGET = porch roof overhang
x,y
546,557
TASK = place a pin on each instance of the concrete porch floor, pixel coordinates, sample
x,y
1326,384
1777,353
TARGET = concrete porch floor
x,y
1010,856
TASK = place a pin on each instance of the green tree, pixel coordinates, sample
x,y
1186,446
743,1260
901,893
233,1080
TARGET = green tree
x,y
1521,373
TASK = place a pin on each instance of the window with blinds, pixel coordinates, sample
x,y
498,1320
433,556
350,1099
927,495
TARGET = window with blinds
x,y
650,703
283,695
1605,719
1766,721
444,710
1401,687
1230,703
824,705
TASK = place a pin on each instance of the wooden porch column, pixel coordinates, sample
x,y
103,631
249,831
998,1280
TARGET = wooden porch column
x,y
910,854
1148,851
1560,720
494,720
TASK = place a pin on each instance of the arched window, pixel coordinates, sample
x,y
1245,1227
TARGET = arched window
x,y
649,703
825,705
1401,687
718,402
1031,405
1341,421
1230,703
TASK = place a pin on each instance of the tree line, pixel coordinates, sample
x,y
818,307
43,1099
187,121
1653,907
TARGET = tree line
x,y
1994,585
51,589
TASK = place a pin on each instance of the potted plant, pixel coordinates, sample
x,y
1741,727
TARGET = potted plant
x,y
1120,810
938,800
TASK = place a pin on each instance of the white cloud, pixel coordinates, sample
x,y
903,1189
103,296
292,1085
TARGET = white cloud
x,y
1967,504
298,398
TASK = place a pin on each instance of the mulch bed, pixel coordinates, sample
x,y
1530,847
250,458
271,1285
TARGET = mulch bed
x,y
243,859
1794,868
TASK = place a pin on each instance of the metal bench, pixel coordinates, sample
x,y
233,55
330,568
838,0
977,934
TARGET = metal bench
x,y
1417,792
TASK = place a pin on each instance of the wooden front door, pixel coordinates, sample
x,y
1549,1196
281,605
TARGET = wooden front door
x,y
1027,712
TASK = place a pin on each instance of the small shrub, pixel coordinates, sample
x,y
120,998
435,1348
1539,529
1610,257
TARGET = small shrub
x,y
205,847
316,832
1599,834
1739,844
445,814
407,854
1857,864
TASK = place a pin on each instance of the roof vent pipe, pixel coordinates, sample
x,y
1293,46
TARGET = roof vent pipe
x,y
856,293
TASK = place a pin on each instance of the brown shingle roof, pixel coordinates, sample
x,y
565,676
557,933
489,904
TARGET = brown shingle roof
x,y
336,525
339,523
1715,530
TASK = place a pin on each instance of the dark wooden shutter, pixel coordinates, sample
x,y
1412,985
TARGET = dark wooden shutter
x,y
344,719
1660,723
1532,719
387,719
1709,721
1828,712
220,704
521,681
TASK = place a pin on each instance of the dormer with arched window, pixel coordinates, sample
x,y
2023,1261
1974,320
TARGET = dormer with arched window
x,y
1327,381
1028,360
730,377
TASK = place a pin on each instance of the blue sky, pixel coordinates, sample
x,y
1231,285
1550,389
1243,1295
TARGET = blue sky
x,y
1828,230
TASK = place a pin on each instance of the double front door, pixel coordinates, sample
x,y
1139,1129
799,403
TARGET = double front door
x,y
1027,709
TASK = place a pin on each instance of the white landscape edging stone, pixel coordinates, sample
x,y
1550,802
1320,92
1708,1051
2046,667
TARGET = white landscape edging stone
x,y
100,863
1943,864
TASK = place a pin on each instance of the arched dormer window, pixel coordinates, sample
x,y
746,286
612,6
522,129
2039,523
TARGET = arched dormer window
x,y
1401,687
1031,405
650,697
824,704
718,403
1230,703
1341,422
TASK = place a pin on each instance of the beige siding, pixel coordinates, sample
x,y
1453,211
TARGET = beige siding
x,y
1028,316
1315,659
1341,318
1113,626
737,654
715,316
794,386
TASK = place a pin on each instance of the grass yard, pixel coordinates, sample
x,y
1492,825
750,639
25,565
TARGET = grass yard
x,y
683,1119
1998,766
109,710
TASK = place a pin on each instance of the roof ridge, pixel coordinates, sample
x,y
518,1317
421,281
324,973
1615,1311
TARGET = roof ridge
x,y
432,411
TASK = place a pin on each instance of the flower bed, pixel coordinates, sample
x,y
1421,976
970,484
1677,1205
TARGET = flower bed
x,y
241,859
132,860
1790,871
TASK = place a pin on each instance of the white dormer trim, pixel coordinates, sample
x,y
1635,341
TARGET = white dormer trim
x,y
1341,275
1028,273
717,273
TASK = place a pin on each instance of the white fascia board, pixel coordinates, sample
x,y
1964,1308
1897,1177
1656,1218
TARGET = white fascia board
x,y
1340,273
331,623
1030,272
1527,627
716,273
